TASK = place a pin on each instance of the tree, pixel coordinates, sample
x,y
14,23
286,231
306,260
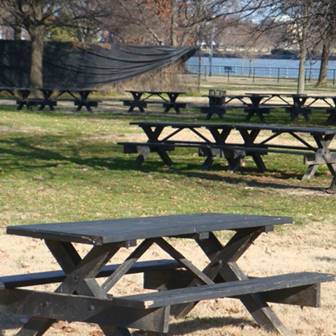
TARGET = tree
x,y
40,17
302,20
172,22
329,37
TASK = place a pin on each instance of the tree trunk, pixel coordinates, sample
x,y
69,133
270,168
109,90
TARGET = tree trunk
x,y
37,43
173,37
301,79
324,64
17,33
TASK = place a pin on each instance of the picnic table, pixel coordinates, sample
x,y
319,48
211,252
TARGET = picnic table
x,y
168,99
297,107
252,103
254,106
180,284
330,101
260,104
81,97
256,140
50,96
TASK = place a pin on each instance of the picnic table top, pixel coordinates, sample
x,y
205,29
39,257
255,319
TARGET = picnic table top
x,y
46,88
252,94
120,230
271,127
156,91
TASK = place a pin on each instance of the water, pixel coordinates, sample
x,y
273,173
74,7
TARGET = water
x,y
259,67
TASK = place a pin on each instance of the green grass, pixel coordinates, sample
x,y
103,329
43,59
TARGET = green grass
x,y
62,167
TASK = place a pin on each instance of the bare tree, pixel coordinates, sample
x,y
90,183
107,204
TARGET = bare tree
x,y
301,19
173,22
39,17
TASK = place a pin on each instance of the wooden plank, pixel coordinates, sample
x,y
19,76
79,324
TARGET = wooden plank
x,y
276,128
228,289
123,230
33,279
55,306
304,296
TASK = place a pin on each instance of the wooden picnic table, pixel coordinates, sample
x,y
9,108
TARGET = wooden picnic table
x,y
260,104
80,96
141,99
50,95
213,139
79,297
252,104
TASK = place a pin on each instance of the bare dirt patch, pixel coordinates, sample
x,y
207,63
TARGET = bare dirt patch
x,y
292,249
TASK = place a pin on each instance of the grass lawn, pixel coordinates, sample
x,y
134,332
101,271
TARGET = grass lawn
x,y
67,167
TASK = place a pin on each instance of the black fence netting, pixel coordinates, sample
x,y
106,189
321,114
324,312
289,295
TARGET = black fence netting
x,y
69,66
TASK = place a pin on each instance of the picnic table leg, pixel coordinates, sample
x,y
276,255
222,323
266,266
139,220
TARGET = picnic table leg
x,y
234,158
322,156
209,115
332,114
208,162
332,187
310,172
223,267
153,135
220,138
19,105
167,108
165,157
230,271
80,274
249,138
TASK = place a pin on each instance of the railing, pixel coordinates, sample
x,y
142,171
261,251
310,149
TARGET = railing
x,y
253,72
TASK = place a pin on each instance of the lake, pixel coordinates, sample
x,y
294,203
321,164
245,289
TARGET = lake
x,y
259,67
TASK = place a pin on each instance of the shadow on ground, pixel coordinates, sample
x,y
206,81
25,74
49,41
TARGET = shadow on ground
x,y
29,153
184,327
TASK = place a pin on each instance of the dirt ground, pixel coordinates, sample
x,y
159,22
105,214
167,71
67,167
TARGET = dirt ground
x,y
291,249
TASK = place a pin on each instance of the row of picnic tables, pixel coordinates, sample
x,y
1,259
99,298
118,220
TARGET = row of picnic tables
x,y
50,96
254,104
176,284
260,104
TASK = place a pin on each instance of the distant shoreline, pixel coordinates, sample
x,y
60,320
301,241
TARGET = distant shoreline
x,y
262,56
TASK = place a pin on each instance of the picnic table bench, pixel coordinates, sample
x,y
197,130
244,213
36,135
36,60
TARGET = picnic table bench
x,y
212,139
168,99
180,284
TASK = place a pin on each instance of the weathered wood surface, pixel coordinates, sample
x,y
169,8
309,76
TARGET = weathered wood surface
x,y
33,279
303,296
228,289
128,229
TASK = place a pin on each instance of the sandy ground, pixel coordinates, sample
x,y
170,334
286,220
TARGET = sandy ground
x,y
292,249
